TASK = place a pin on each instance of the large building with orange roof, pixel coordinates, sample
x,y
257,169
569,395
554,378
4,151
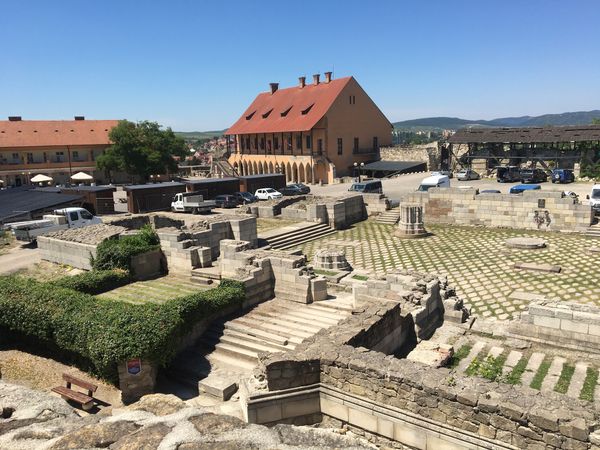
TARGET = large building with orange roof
x,y
55,148
311,132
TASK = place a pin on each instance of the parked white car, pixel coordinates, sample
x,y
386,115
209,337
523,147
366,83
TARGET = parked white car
x,y
594,198
434,181
267,194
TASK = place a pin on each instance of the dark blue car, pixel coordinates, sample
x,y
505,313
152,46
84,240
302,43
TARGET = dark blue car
x,y
563,176
519,188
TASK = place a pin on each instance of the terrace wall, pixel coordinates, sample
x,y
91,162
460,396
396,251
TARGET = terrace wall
x,y
70,253
533,210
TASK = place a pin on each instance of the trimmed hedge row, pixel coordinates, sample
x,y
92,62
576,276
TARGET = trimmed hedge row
x,y
104,333
94,282
117,253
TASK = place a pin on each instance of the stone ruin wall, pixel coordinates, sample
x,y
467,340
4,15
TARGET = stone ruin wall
x,y
533,210
339,213
427,153
336,378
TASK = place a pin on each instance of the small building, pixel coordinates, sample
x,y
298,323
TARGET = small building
x,y
143,198
96,199
211,187
312,132
250,183
24,203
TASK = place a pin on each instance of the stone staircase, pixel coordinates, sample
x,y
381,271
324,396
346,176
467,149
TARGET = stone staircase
x,y
223,166
208,275
390,217
593,231
534,361
272,326
300,236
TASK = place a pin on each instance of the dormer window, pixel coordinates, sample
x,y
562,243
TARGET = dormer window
x,y
285,112
306,110
249,116
265,115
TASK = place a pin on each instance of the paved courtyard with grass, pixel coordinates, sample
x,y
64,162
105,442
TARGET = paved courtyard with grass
x,y
477,263
159,290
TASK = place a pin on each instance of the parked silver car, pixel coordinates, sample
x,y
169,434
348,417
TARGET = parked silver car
x,y
467,174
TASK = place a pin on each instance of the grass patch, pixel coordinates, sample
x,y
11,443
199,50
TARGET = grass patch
x,y
360,277
541,373
327,273
459,355
514,377
473,367
562,385
589,385
489,367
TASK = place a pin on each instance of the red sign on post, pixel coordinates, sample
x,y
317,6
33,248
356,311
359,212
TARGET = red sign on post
x,y
134,366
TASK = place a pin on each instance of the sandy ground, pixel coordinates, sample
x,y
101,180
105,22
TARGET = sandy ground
x,y
41,373
18,258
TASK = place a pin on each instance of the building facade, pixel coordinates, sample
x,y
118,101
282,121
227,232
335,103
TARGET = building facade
x,y
55,148
311,133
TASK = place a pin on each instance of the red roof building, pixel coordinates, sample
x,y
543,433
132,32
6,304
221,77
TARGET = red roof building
x,y
311,132
55,148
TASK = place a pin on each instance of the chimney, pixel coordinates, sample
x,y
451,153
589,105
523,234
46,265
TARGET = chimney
x,y
316,79
302,81
274,87
327,77
14,118
79,117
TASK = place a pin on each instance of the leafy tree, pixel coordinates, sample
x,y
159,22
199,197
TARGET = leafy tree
x,y
142,149
596,121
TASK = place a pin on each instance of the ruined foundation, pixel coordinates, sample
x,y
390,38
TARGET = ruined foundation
x,y
410,225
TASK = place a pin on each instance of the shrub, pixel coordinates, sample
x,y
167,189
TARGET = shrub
x,y
102,333
116,253
94,282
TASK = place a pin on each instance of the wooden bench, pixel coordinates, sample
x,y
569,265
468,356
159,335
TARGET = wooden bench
x,y
85,400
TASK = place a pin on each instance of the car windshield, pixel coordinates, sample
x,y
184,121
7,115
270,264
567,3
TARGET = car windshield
x,y
595,193
357,187
86,215
269,190
425,187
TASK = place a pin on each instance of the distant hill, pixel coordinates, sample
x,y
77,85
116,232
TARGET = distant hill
x,y
192,135
453,123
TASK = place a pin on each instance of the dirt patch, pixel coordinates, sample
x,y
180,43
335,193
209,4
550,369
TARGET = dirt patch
x,y
48,271
93,234
264,224
43,374
310,200
7,241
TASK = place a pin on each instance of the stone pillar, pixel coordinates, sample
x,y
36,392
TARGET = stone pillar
x,y
136,378
328,259
410,224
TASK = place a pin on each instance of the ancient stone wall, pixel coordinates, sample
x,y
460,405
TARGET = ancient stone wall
x,y
562,324
74,254
428,153
533,210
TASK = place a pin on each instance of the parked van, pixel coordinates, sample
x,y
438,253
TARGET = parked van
x,y
434,181
367,187
594,198
508,174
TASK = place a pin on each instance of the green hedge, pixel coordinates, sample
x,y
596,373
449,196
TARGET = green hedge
x,y
117,253
95,281
102,333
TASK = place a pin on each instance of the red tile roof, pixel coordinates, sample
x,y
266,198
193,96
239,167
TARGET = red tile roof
x,y
305,107
54,133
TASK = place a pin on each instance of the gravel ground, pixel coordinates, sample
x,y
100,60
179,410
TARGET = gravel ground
x,y
93,234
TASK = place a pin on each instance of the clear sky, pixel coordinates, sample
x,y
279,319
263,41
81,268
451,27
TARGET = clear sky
x,y
196,65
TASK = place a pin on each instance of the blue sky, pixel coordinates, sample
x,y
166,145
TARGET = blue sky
x,y
196,65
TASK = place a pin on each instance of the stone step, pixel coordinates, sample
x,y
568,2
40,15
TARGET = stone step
x,y
511,361
307,315
246,337
249,344
287,320
307,237
293,335
225,361
475,349
265,335
236,352
532,367
553,374
333,304
577,380
274,240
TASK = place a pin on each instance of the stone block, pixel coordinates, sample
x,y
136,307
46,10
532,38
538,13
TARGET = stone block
x,y
362,419
218,386
576,327
334,409
549,322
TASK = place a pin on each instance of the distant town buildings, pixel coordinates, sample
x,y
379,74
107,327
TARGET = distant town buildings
x,y
313,132
57,149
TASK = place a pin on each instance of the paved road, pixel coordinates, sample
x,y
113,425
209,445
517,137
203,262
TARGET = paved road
x,y
18,258
394,188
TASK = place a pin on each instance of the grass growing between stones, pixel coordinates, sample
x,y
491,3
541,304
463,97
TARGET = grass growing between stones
x,y
514,377
360,277
489,367
562,385
541,373
589,385
328,273
460,354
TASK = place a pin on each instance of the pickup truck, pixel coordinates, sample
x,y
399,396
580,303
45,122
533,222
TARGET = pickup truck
x,y
58,220
191,202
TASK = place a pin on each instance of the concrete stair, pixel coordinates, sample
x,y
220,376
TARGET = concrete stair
x,y
389,217
205,276
311,232
593,231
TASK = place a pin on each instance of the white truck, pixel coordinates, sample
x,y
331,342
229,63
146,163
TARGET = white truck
x,y
191,202
594,198
58,220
